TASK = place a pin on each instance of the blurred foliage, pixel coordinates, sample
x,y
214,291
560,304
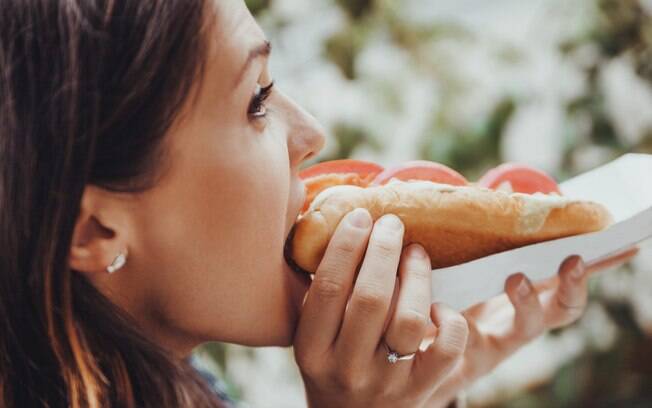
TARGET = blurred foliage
x,y
622,28
218,353
620,377
348,138
343,48
472,149
256,6
592,104
356,9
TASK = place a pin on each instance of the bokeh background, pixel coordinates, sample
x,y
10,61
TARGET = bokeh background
x,y
564,85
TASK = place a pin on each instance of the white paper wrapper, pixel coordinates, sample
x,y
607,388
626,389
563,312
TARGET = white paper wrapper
x,y
624,186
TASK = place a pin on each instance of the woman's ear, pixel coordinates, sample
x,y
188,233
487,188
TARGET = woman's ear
x,y
98,238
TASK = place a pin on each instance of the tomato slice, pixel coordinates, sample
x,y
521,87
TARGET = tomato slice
x,y
523,179
337,172
422,170
360,167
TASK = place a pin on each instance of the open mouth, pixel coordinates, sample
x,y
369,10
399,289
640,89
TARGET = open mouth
x,y
288,257
298,274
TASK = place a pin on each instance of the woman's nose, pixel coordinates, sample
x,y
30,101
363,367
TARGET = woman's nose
x,y
305,135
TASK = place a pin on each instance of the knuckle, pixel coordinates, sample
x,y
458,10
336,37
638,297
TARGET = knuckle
x,y
327,288
351,381
419,270
346,247
309,366
386,248
368,300
412,324
570,299
459,326
450,351
452,345
568,309
532,326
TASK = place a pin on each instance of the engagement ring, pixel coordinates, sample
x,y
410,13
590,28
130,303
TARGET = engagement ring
x,y
393,356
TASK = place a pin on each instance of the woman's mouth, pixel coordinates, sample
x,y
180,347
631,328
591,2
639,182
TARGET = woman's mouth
x,y
300,280
288,257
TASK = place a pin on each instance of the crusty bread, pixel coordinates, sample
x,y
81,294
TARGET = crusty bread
x,y
454,224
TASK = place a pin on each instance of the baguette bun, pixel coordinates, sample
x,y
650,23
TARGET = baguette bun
x,y
454,224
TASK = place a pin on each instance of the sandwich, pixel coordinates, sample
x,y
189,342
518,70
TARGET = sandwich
x,y
511,206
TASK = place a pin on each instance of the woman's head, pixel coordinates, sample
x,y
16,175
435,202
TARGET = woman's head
x,y
206,241
139,126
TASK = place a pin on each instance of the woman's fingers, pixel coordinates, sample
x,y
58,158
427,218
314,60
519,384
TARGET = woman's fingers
x,y
613,261
479,310
528,313
494,334
369,304
326,300
442,355
410,319
566,304
488,308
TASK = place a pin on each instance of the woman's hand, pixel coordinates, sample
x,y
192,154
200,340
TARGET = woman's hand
x,y
500,326
346,322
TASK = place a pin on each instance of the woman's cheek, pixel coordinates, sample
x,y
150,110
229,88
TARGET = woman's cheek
x,y
269,178
268,211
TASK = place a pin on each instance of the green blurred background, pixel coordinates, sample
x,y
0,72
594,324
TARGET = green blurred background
x,y
561,85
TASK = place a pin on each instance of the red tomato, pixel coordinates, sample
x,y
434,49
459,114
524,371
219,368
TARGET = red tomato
x,y
337,172
362,168
422,170
523,178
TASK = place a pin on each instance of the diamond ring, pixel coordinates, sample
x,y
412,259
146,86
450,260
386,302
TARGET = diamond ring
x,y
393,356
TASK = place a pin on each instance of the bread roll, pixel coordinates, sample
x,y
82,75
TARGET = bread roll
x,y
454,224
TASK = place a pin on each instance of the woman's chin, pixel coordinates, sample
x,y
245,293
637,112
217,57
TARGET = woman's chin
x,y
277,325
298,285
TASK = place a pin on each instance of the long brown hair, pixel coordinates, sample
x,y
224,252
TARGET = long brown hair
x,y
88,89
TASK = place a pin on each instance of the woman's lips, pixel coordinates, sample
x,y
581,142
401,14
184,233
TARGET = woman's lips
x,y
300,280
288,257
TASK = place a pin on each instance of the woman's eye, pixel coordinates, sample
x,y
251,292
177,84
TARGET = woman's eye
x,y
257,107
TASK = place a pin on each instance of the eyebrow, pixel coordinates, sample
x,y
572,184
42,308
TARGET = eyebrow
x,y
262,50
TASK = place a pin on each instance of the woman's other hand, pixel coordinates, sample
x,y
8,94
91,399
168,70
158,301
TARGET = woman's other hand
x,y
347,321
500,326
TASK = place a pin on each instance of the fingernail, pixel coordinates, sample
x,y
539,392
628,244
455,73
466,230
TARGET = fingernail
x,y
417,251
578,268
523,288
391,221
360,218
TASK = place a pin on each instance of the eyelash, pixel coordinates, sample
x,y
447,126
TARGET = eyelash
x,y
256,107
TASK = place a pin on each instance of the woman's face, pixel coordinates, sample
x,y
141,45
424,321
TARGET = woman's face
x,y
206,244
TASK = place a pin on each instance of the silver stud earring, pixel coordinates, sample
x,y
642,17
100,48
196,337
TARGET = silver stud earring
x,y
117,263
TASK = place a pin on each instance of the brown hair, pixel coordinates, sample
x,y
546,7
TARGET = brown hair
x,y
88,89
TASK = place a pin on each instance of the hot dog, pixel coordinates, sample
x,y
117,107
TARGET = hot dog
x,y
455,221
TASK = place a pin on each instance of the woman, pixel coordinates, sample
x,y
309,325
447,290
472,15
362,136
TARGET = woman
x,y
149,181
